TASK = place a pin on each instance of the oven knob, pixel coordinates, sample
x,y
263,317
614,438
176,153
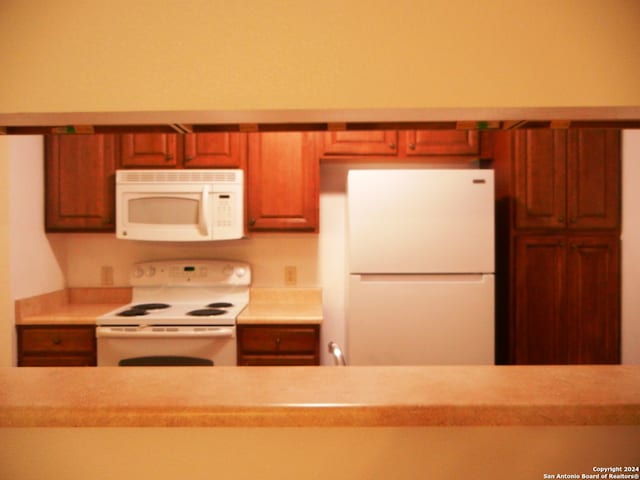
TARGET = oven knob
x,y
138,272
227,270
151,271
241,272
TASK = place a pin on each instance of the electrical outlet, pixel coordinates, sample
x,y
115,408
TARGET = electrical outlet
x,y
106,275
290,275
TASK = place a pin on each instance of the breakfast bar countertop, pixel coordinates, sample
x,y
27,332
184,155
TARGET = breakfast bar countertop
x,y
319,396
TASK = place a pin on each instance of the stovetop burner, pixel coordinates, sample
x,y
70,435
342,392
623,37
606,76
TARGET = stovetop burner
x,y
151,306
220,305
142,309
206,312
132,312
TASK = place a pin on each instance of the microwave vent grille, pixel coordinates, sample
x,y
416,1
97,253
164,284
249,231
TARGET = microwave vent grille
x,y
179,176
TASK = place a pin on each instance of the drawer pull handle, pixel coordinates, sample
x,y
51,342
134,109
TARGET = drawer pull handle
x,y
57,341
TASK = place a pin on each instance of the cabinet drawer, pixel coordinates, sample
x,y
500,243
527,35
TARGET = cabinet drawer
x,y
267,339
54,339
278,360
58,361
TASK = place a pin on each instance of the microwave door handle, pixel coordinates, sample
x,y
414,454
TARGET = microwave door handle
x,y
204,211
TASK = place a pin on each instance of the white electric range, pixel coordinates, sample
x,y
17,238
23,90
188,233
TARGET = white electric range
x,y
183,312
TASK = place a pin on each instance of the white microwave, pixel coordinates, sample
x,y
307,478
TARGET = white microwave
x,y
180,205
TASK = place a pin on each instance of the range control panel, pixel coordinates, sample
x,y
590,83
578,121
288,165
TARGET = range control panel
x,y
208,273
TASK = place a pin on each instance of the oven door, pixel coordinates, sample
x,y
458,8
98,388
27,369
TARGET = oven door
x,y
166,345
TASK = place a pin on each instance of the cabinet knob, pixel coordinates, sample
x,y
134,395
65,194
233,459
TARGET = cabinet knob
x,y
168,158
252,221
412,146
57,341
560,219
392,146
574,220
277,341
188,158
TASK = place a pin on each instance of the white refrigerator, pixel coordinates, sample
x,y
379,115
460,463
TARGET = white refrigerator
x,y
421,267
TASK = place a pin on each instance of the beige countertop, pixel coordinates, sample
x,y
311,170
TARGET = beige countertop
x,y
83,305
70,314
71,306
319,396
283,305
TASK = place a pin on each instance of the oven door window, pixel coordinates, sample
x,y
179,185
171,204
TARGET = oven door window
x,y
163,210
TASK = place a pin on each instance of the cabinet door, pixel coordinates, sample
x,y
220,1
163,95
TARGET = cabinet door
x,y
540,178
441,142
361,142
282,182
539,334
80,183
214,150
156,150
593,179
593,300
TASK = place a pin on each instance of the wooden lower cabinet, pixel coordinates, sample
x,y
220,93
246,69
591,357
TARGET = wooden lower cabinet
x,y
278,345
56,345
566,300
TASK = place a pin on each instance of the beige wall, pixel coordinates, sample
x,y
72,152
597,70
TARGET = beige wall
x,y
6,307
630,247
118,55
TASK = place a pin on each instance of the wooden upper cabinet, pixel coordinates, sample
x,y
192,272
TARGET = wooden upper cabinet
x,y
215,150
540,178
361,142
401,144
80,183
593,179
193,150
282,182
441,142
156,150
567,179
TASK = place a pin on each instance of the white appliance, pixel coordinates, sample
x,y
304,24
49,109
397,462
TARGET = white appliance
x,y
180,205
183,312
421,263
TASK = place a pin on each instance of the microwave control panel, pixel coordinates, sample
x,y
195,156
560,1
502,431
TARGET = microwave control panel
x,y
223,208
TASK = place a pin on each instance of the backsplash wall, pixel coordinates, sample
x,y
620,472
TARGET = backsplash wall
x,y
268,254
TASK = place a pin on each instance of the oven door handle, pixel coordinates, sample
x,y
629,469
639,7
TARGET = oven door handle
x,y
164,332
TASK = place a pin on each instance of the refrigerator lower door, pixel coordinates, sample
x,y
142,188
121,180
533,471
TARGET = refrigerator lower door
x,y
420,320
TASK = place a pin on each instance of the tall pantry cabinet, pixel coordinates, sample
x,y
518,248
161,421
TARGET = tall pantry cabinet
x,y
558,246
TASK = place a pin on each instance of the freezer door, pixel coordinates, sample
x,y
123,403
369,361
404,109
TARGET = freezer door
x,y
421,221
420,320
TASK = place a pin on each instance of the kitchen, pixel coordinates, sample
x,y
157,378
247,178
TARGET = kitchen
x,y
356,96
77,260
